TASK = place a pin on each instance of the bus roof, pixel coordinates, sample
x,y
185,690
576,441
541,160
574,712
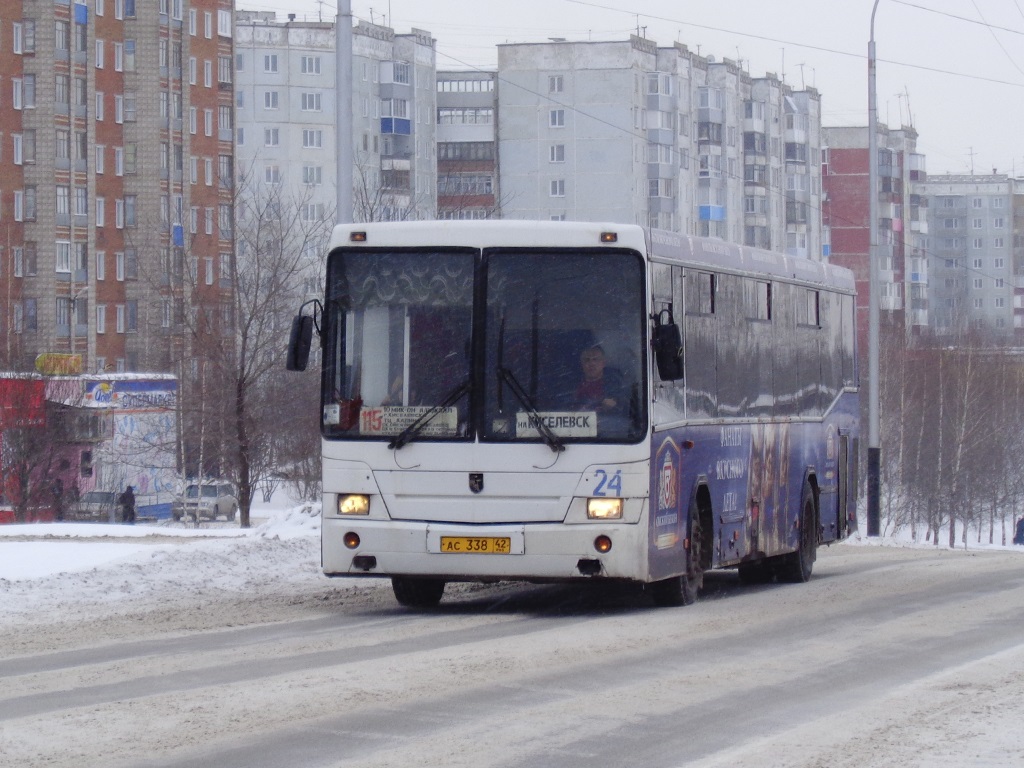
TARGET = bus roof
x,y
490,233
710,253
715,254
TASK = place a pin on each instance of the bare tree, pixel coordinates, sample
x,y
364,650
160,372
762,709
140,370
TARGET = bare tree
x,y
279,250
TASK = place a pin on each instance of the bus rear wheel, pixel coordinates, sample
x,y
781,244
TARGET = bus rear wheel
x,y
796,567
417,592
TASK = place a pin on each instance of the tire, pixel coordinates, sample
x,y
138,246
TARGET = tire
x,y
795,568
417,592
682,590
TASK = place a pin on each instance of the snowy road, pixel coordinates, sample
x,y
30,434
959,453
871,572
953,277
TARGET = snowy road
x,y
889,656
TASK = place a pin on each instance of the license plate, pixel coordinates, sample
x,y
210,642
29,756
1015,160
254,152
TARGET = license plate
x,y
476,545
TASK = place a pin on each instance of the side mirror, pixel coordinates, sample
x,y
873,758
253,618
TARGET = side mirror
x,y
299,343
668,347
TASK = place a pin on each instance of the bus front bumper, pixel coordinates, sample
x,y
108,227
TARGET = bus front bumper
x,y
532,551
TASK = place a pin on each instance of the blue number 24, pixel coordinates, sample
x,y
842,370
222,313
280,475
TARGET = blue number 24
x,y
608,486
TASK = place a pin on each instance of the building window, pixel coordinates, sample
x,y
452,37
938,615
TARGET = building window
x,y
556,153
555,84
270,63
465,116
556,118
311,102
63,256
557,188
224,69
312,174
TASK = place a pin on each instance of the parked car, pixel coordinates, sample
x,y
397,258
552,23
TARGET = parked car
x,y
95,505
207,501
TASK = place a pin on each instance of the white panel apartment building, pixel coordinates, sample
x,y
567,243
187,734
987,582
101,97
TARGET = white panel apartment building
x,y
394,109
284,112
971,253
285,100
629,132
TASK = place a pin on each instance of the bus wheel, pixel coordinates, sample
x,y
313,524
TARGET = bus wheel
x,y
682,590
796,568
414,592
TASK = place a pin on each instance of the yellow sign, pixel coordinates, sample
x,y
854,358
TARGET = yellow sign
x,y
56,363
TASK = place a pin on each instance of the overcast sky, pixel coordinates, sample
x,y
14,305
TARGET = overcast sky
x,y
952,68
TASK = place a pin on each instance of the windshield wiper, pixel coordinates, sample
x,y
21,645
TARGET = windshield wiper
x,y
553,441
406,435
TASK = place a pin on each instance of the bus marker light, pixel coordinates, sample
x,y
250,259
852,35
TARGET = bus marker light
x,y
357,237
604,508
609,237
351,539
603,544
353,504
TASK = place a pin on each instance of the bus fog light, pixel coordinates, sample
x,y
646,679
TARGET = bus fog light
x,y
604,509
603,544
351,539
353,504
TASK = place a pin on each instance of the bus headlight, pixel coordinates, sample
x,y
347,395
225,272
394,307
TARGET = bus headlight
x,y
353,504
604,508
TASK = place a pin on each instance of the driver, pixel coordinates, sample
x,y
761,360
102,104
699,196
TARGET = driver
x,y
600,388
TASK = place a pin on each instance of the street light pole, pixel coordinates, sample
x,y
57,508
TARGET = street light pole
x,y
874,299
343,110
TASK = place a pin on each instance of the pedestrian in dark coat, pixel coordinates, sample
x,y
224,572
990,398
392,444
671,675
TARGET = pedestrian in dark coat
x,y
1018,536
127,502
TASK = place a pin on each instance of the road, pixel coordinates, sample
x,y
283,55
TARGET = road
x,y
889,656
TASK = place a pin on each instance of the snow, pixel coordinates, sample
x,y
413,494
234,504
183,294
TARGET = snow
x,y
64,585
62,550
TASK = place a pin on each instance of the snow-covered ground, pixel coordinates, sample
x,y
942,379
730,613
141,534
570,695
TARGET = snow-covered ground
x,y
63,584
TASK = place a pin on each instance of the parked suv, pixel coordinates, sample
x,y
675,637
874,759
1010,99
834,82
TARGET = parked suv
x,y
206,501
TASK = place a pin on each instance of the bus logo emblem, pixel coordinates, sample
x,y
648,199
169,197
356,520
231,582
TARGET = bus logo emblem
x,y
476,481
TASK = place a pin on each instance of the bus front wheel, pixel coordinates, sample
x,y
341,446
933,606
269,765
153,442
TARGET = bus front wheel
x,y
415,592
682,590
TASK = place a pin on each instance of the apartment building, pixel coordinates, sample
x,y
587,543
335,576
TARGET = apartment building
x,y
285,114
286,117
632,132
115,190
973,249
903,249
467,147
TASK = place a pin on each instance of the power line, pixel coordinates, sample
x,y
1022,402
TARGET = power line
x,y
808,46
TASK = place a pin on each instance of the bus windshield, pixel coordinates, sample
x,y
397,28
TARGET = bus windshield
x,y
564,346
548,349
398,328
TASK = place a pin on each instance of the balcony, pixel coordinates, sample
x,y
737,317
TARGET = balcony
x,y
400,126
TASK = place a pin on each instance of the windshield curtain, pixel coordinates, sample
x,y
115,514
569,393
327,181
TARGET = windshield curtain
x,y
564,344
398,336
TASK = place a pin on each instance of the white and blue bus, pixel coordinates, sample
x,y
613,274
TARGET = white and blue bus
x,y
552,401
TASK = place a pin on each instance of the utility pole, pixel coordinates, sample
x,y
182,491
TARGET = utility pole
x,y
343,114
874,299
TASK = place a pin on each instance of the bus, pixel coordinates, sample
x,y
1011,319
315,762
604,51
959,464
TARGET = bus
x,y
560,401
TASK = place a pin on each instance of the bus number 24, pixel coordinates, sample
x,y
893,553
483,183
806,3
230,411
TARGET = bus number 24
x,y
608,485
